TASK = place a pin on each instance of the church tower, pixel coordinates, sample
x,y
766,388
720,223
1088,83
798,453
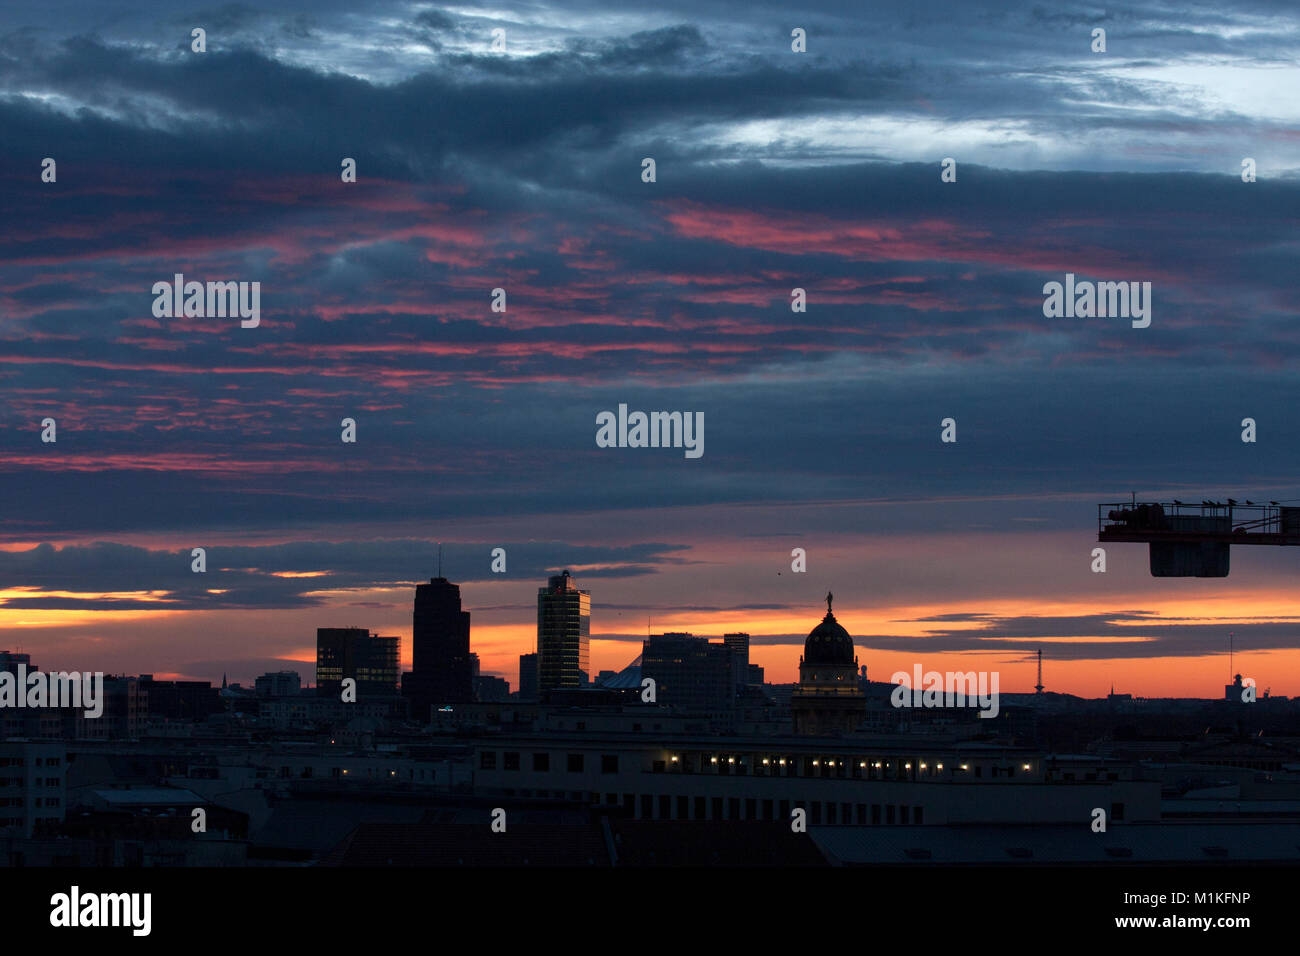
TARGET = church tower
x,y
829,699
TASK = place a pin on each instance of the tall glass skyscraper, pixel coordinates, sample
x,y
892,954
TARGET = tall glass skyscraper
x,y
563,634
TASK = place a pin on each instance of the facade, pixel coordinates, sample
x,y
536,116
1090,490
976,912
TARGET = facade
x,y
563,634
690,673
378,667
334,657
353,652
33,784
306,711
828,699
863,781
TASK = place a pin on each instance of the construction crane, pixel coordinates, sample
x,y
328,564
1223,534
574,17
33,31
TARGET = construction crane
x,y
1190,540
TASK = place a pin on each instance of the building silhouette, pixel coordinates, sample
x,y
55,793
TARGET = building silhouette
x,y
828,699
563,634
441,668
527,676
690,673
279,683
738,644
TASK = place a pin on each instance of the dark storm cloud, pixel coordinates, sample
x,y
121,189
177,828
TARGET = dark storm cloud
x,y
523,171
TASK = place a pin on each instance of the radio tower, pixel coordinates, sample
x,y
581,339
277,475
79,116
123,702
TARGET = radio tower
x,y
1038,688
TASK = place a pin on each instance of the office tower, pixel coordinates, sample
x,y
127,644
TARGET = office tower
x,y
370,660
441,670
563,634
738,644
378,666
690,673
334,657
527,676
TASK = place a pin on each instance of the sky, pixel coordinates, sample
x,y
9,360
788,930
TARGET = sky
x,y
522,169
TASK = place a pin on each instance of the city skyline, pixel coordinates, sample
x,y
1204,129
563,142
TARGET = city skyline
x,y
923,176
780,651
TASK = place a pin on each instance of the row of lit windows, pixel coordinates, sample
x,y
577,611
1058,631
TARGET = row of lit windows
x,y
767,766
817,766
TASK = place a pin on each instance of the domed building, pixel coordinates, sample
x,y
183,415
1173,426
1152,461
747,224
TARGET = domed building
x,y
828,700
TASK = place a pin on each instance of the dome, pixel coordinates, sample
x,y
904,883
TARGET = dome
x,y
828,643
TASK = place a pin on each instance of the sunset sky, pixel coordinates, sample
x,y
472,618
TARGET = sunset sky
x,y
522,170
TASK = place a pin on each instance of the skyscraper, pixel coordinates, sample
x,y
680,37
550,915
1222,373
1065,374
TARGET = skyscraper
x,y
563,634
440,660
738,644
527,676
